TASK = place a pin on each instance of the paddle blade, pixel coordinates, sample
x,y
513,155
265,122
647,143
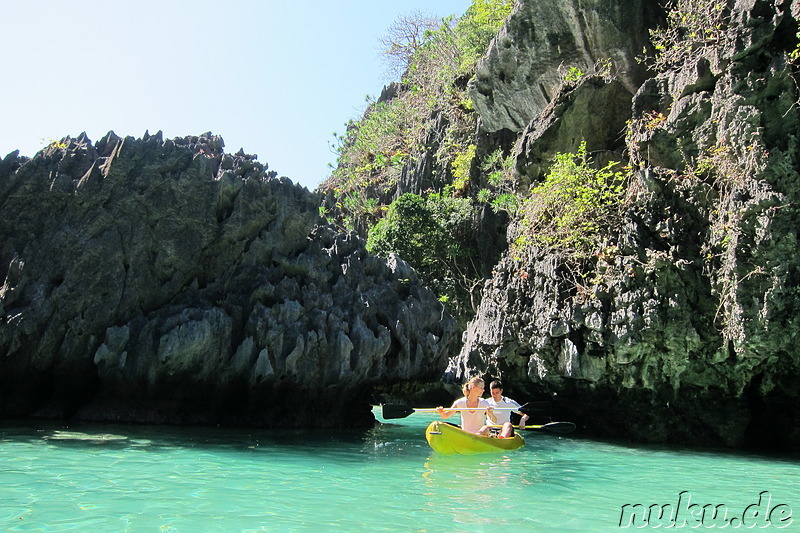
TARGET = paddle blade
x,y
395,410
558,427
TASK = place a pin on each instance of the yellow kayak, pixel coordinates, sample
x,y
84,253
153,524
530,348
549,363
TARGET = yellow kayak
x,y
450,439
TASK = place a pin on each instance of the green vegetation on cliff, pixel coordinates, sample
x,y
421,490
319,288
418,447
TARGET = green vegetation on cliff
x,y
433,233
394,130
426,116
427,120
573,206
417,175
693,26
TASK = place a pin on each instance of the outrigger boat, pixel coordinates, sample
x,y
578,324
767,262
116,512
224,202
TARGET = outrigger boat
x,y
449,439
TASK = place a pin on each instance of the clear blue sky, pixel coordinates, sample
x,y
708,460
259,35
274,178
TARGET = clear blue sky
x,y
274,77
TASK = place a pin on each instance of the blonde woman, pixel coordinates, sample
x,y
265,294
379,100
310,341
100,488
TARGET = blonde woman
x,y
471,421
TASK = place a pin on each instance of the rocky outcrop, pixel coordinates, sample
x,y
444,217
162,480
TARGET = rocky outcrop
x,y
594,109
682,328
167,281
541,41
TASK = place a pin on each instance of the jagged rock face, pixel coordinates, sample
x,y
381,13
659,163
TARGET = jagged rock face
x,y
685,329
525,63
593,110
167,281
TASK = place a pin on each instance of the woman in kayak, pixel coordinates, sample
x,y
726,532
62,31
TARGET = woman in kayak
x,y
471,421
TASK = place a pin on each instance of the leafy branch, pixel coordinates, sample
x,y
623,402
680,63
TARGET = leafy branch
x,y
572,207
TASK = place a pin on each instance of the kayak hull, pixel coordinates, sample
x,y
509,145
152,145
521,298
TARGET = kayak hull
x,y
449,439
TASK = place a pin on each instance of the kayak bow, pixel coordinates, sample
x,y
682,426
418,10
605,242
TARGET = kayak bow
x,y
449,439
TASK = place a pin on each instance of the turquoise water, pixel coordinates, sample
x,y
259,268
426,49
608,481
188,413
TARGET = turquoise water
x,y
155,479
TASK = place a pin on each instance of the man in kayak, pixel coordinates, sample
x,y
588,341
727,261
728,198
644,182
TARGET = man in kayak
x,y
504,417
471,421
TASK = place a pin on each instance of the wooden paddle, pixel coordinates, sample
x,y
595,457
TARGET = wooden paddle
x,y
398,410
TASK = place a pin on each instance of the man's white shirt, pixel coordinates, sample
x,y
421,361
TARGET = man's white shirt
x,y
502,416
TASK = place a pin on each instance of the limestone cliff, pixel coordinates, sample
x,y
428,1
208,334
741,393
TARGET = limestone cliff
x,y
522,70
167,281
678,325
682,327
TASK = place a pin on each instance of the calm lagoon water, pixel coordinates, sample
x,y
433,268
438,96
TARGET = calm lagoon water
x,y
106,478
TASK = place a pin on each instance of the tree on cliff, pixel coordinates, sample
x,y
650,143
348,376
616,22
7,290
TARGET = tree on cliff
x,y
403,39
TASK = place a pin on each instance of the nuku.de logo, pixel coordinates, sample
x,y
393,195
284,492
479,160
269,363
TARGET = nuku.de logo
x,y
687,514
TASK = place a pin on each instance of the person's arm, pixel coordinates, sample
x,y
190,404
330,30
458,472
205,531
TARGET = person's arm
x,y
447,413
523,416
489,410
444,414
